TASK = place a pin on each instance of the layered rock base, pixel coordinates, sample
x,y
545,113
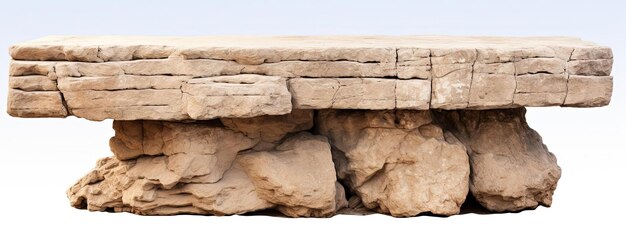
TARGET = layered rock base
x,y
303,164
311,126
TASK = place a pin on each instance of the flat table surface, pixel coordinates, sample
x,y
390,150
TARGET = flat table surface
x,y
312,41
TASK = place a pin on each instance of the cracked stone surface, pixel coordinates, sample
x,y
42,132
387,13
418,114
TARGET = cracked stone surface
x,y
311,126
511,167
298,175
163,168
202,78
307,163
398,162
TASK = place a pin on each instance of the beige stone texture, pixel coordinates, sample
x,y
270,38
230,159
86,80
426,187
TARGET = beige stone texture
x,y
451,86
413,63
539,65
129,97
32,83
491,91
539,99
36,104
309,125
270,129
589,91
512,169
343,93
413,94
136,186
600,67
398,162
27,68
201,78
240,96
540,89
166,168
298,175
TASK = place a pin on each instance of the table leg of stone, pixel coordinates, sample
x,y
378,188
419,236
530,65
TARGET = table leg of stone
x,y
310,163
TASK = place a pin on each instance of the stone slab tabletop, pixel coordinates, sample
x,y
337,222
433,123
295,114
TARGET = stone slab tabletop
x,y
181,78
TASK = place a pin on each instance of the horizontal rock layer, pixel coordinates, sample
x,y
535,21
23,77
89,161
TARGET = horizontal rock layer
x,y
313,164
179,78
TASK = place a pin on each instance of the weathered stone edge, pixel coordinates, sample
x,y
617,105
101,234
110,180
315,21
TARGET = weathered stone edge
x,y
587,67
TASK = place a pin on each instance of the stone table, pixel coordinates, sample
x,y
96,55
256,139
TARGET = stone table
x,y
309,125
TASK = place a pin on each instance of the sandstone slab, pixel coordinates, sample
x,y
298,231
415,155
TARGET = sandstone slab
x,y
200,78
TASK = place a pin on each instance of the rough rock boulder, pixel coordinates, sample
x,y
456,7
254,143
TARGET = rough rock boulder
x,y
511,167
398,162
164,168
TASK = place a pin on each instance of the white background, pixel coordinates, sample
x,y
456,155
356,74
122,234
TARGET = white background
x,y
41,158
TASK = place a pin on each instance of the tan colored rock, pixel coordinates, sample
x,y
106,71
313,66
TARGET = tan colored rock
x,y
343,93
539,65
451,86
491,91
137,187
504,69
126,104
601,67
233,194
539,99
32,83
589,91
190,150
397,161
35,104
540,89
154,169
257,49
413,94
271,129
413,63
28,68
224,125
591,53
511,168
120,82
452,74
323,69
252,56
124,97
83,69
136,78
129,97
541,83
128,140
313,93
198,150
496,55
298,175
173,168
236,96
210,67
453,55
